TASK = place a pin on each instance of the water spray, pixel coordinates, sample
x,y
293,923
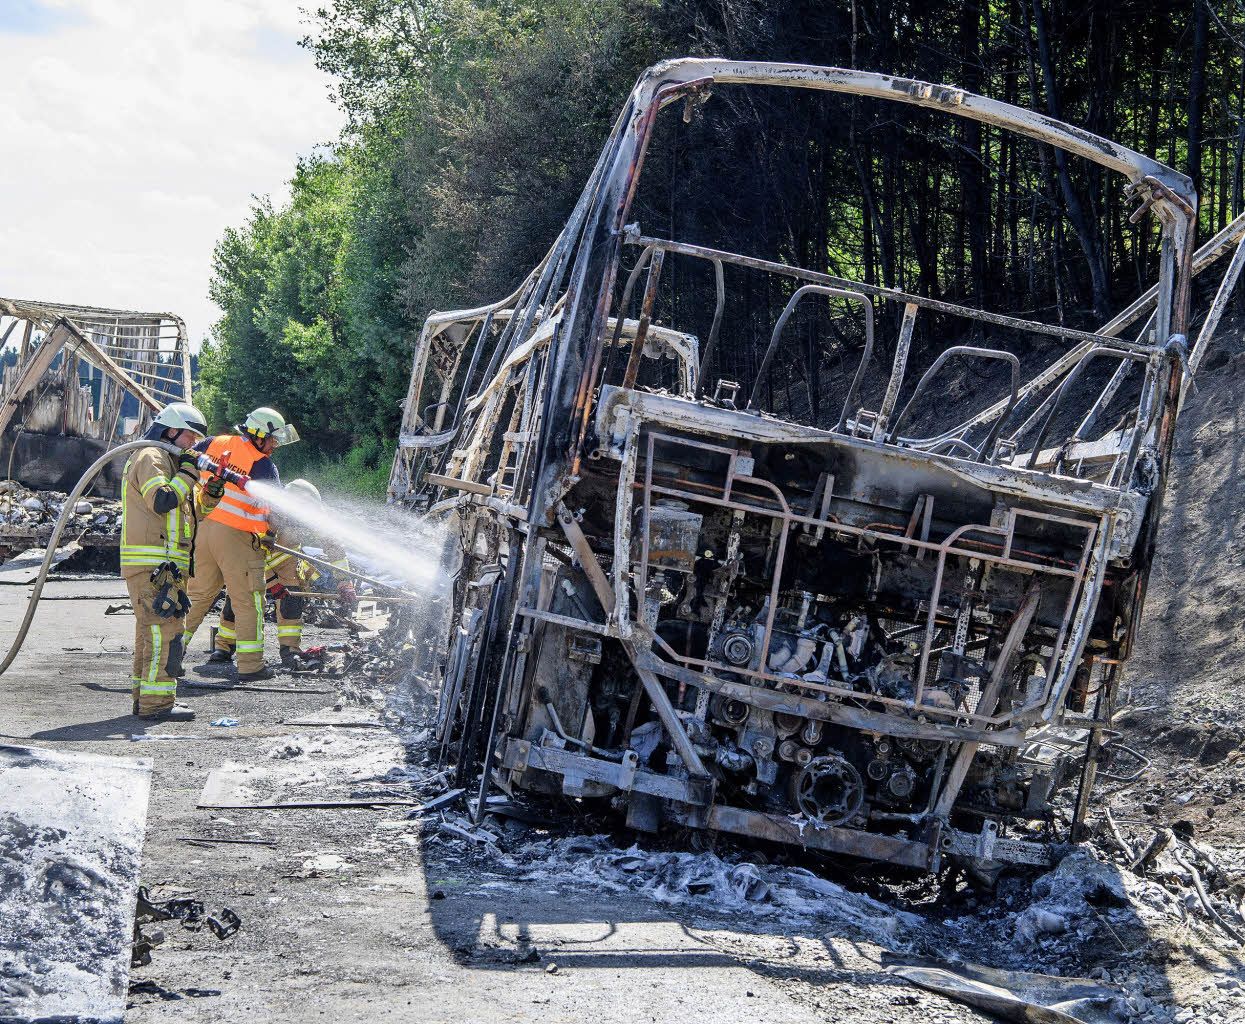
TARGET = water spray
x,y
386,546
341,569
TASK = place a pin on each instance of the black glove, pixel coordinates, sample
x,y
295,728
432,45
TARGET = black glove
x,y
188,463
215,487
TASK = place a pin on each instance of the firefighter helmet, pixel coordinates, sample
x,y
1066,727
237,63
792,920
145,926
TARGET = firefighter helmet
x,y
181,416
264,423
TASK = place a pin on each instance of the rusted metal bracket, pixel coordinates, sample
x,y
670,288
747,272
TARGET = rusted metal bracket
x,y
989,698
626,776
652,686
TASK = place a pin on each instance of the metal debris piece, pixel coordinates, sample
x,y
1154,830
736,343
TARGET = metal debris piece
x,y
224,923
205,840
444,800
463,828
1010,995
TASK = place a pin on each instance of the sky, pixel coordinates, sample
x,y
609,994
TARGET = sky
x,y
133,132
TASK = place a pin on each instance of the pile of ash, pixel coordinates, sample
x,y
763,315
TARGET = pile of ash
x,y
22,509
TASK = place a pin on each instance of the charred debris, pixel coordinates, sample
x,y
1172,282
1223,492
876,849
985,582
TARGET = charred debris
x,y
84,380
710,605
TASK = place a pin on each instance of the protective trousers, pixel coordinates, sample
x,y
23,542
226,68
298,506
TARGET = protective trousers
x,y
234,558
155,641
289,607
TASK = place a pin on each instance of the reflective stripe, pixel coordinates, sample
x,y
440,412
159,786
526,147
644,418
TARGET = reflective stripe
x,y
171,522
152,484
289,631
272,561
157,557
179,484
153,671
250,646
149,688
226,632
238,508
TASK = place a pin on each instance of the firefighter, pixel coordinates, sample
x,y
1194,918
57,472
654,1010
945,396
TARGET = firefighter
x,y
288,575
230,544
161,507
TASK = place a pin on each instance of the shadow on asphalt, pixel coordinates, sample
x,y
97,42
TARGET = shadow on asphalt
x,y
119,728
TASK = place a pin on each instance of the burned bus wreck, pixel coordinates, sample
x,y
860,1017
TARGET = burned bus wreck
x,y
822,626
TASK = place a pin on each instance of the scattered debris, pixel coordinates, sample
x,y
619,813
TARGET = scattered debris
x,y
1012,995
225,723
444,800
711,881
191,913
224,923
23,508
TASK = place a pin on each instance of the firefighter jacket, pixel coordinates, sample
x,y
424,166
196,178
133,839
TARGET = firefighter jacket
x,y
160,511
237,508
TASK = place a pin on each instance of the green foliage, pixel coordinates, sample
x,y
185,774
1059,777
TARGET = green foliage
x,y
361,471
472,126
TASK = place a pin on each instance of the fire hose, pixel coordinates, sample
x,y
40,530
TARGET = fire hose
x,y
204,463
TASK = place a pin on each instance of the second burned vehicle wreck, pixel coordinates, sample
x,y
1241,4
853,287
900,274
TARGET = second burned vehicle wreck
x,y
811,621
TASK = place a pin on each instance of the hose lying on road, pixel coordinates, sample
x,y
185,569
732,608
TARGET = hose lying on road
x,y
54,540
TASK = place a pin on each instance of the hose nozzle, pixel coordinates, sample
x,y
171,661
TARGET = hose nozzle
x,y
222,471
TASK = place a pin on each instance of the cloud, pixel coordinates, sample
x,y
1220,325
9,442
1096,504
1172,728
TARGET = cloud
x,y
135,132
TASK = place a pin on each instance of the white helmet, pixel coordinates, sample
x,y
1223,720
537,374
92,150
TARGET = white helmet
x,y
181,416
264,422
304,489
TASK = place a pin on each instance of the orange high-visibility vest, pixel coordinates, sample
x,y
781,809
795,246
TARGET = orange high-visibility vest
x,y
236,508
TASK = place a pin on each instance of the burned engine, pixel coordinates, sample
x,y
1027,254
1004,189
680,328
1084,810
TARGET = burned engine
x,y
851,634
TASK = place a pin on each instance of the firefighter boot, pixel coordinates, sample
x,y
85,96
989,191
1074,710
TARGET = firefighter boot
x,y
175,713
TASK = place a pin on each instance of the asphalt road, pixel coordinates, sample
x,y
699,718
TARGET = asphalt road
x,y
349,915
